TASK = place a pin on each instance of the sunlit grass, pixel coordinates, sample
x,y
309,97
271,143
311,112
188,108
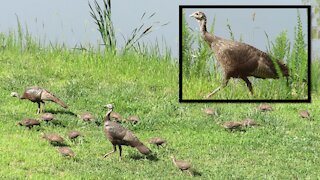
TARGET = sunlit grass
x,y
283,147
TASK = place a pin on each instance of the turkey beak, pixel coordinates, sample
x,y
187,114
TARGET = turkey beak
x,y
191,15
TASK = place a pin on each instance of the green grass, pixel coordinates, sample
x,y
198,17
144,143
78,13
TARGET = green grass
x,y
283,147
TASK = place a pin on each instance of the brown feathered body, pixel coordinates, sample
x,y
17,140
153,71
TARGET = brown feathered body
x,y
47,117
249,123
116,116
40,95
87,117
118,135
265,107
239,60
74,134
29,123
182,165
157,141
304,114
232,125
242,60
133,119
53,138
66,151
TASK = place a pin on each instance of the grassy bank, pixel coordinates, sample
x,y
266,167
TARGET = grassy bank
x,y
284,146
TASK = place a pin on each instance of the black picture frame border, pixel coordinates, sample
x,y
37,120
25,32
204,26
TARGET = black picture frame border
x,y
308,100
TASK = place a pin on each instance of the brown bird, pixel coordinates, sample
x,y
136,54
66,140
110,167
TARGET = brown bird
x,y
265,107
157,141
29,123
238,60
116,116
118,135
47,117
53,138
66,151
87,117
39,95
210,111
182,165
134,119
232,125
249,123
304,114
74,134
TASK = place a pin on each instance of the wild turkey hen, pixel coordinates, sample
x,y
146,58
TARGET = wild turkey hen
x,y
39,95
238,60
118,135
182,165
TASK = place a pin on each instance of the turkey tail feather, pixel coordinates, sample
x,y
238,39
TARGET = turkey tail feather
x,y
48,96
284,68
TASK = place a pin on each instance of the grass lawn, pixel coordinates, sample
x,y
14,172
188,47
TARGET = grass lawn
x,y
283,147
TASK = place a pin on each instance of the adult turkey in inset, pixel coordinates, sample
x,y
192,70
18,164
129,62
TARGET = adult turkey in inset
x,y
119,136
39,95
239,60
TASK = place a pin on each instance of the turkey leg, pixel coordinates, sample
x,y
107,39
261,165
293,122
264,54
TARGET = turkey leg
x,y
249,85
114,150
39,108
224,84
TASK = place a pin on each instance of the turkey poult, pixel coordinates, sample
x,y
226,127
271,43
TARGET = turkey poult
x,y
119,136
65,151
210,111
238,60
116,116
232,125
265,107
249,123
133,119
304,114
157,141
182,165
87,117
74,134
47,117
53,138
29,123
39,95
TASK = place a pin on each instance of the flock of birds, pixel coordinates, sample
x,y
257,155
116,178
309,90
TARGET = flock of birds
x,y
238,60
117,134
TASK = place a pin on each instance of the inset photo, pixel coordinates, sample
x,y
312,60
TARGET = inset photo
x,y
244,53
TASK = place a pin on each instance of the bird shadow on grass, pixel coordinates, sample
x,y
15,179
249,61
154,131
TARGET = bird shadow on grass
x,y
149,157
196,173
55,123
61,112
59,144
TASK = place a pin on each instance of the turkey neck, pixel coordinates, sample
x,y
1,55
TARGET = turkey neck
x,y
203,26
209,38
107,118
